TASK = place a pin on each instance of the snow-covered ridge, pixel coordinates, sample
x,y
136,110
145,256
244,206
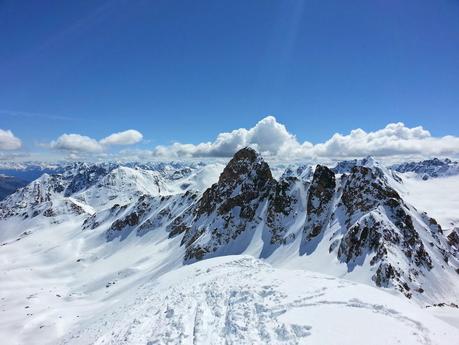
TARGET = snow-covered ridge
x,y
107,240
102,185
354,218
430,168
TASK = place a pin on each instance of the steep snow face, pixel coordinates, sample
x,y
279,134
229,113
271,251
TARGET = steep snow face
x,y
147,214
430,168
241,300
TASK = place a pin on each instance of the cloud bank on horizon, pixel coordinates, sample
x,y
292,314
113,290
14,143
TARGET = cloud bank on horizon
x,y
270,138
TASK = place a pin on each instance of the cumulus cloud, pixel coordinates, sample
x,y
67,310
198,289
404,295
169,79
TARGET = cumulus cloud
x,y
77,143
272,138
128,137
8,141
268,136
393,140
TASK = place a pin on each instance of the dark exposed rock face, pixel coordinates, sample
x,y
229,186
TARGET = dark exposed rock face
x,y
281,207
246,196
453,241
320,199
246,162
365,189
360,239
228,208
379,223
246,171
148,213
453,238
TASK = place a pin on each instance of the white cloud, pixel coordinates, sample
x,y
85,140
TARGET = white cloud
x,y
128,137
271,138
77,143
8,141
394,140
268,136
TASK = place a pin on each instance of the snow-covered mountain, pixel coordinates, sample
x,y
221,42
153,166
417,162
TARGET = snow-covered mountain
x,y
102,185
429,168
108,240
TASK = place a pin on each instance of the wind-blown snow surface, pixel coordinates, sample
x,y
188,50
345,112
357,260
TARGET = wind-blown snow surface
x,y
53,276
241,300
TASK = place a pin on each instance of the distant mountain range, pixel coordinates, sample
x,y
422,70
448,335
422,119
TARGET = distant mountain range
x,y
16,175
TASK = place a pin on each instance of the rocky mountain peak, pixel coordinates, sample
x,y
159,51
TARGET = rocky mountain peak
x,y
226,209
319,201
245,162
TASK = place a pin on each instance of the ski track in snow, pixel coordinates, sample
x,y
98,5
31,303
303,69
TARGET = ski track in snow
x,y
236,300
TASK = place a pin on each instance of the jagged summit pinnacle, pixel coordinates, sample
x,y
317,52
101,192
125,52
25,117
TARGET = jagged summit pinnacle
x,y
246,153
246,161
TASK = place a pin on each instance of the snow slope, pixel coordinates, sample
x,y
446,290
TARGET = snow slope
x,y
241,300
55,275
61,285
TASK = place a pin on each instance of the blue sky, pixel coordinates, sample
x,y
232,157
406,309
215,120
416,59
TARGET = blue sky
x,y
188,70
